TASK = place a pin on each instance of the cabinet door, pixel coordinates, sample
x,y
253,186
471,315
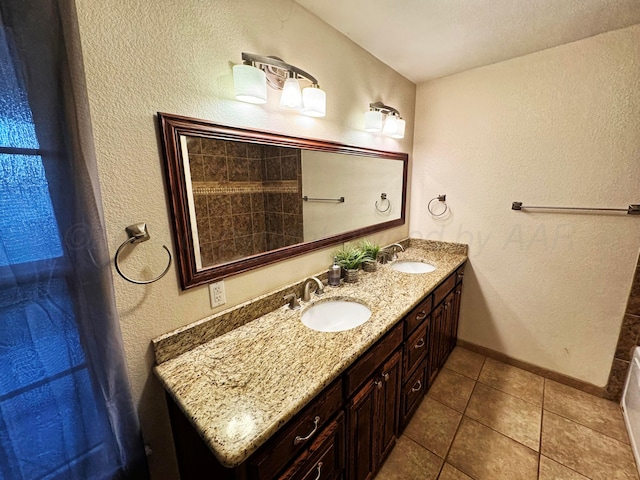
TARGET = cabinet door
x,y
455,315
387,406
447,329
361,432
437,320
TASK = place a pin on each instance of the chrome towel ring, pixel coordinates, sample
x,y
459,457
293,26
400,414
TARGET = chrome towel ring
x,y
431,208
138,233
383,197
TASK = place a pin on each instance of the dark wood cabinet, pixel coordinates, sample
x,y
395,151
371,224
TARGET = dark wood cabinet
x,y
360,433
349,429
373,419
387,403
295,437
412,392
444,321
324,459
373,387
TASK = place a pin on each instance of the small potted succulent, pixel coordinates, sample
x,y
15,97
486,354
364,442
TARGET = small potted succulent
x,y
350,260
370,250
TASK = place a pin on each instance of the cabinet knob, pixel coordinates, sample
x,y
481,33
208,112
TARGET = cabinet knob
x,y
417,387
446,306
420,343
298,440
378,384
386,377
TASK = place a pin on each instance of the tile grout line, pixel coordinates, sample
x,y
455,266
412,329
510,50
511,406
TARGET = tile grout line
x,y
510,394
572,420
488,426
475,382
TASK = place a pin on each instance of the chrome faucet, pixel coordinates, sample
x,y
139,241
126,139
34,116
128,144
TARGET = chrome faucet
x,y
308,283
393,248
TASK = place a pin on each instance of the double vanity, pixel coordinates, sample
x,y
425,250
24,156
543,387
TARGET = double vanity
x,y
255,393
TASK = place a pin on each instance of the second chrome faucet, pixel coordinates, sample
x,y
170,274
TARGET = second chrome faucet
x,y
308,284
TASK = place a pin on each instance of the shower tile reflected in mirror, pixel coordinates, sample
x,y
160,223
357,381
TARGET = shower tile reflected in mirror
x,y
247,198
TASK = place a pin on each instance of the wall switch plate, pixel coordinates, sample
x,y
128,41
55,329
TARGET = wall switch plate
x,y
216,294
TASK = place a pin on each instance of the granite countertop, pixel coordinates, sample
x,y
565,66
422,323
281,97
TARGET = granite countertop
x,y
239,388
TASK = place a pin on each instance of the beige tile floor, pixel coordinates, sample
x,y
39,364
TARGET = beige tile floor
x,y
485,420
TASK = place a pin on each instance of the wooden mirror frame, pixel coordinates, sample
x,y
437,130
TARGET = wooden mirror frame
x,y
172,127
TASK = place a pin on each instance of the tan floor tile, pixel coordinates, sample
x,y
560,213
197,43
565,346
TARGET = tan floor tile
x,y
409,461
465,361
433,426
484,454
506,414
586,451
599,414
512,380
452,473
550,470
452,388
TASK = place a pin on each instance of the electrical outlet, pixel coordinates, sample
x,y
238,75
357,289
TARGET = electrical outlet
x,y
216,294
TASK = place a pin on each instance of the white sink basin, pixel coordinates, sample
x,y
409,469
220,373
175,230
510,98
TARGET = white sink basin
x,y
413,267
335,315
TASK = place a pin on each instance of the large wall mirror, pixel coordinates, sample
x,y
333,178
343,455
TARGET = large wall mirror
x,y
242,199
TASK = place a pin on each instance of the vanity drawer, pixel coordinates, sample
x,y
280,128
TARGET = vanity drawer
x,y
444,288
412,393
367,364
296,436
324,459
415,348
418,315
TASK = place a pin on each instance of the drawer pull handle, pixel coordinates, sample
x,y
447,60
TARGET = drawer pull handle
x,y
420,343
378,384
386,377
417,387
319,471
422,315
298,440
446,306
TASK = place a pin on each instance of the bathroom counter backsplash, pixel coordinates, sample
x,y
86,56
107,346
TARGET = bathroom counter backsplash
x,y
240,382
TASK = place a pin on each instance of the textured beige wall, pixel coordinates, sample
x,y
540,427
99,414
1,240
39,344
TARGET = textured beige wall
x,y
559,127
175,56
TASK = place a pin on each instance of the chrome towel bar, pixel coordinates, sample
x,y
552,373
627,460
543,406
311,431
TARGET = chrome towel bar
x,y
310,199
631,210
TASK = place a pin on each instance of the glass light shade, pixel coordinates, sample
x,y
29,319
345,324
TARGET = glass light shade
x,y
373,121
250,84
400,124
390,125
291,96
314,102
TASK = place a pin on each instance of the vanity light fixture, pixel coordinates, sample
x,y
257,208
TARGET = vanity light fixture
x,y
251,78
384,119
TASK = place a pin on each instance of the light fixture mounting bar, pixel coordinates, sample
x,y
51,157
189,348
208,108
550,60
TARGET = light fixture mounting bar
x,y
386,109
276,69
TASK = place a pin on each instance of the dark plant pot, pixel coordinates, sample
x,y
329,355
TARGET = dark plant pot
x,y
351,276
370,266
